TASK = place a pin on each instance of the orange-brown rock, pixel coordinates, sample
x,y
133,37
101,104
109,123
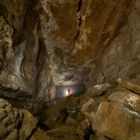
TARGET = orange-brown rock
x,y
117,122
47,43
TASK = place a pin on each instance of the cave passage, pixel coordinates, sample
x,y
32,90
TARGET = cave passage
x,y
63,91
69,69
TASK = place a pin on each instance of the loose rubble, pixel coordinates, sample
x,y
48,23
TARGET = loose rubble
x,y
114,115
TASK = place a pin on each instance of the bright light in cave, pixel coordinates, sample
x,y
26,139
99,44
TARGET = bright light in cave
x,y
68,92
65,91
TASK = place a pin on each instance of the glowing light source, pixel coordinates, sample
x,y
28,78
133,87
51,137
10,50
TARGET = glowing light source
x,y
68,92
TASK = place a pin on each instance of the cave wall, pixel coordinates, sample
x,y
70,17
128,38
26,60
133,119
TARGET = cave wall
x,y
75,33
45,43
122,57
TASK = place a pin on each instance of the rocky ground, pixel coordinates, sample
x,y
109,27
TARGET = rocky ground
x,y
104,112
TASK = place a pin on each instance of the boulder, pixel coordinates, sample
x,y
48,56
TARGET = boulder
x,y
83,129
15,124
97,90
116,122
10,120
135,135
28,125
128,99
58,112
129,85
86,105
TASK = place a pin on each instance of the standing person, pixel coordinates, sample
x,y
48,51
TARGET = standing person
x,y
69,92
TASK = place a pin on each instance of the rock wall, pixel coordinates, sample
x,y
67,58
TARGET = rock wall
x,y
122,57
75,33
45,43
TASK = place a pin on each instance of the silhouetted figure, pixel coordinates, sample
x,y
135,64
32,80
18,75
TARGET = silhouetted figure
x,y
69,92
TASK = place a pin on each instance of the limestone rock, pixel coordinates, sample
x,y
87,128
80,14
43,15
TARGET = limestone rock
x,y
50,43
59,112
71,122
28,125
75,39
13,59
136,130
40,134
15,124
13,135
63,133
87,108
47,43
129,85
114,121
122,57
11,119
83,128
97,90
128,99
60,131
86,105
3,131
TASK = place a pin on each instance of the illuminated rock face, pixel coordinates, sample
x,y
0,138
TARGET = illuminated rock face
x,y
122,56
44,43
76,32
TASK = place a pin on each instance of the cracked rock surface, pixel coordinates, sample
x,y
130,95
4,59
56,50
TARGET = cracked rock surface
x,y
114,115
51,44
45,43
